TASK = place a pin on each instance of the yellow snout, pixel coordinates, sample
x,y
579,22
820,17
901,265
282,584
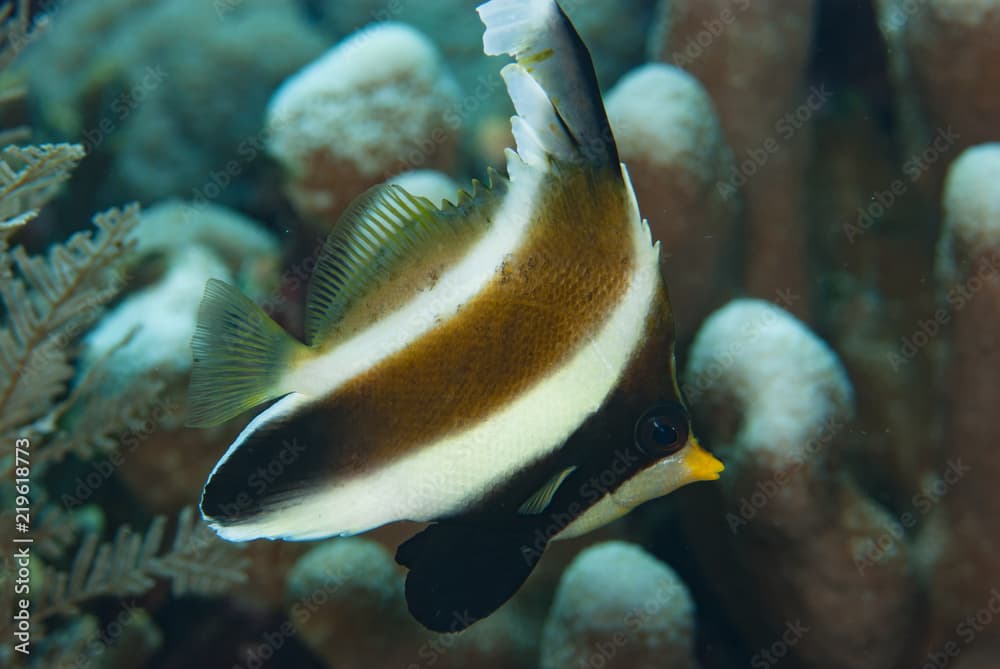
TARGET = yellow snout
x,y
700,464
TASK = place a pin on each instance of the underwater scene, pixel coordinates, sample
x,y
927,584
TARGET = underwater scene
x,y
506,334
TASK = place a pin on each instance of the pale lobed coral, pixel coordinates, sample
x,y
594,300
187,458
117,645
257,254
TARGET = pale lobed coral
x,y
433,185
670,139
776,405
944,57
962,555
752,58
192,243
343,594
618,606
169,121
372,106
607,26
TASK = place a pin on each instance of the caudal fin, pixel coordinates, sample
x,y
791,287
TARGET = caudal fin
x,y
240,355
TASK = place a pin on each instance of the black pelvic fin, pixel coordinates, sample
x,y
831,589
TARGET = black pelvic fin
x,y
461,573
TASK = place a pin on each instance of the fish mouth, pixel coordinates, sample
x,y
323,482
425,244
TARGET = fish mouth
x,y
700,464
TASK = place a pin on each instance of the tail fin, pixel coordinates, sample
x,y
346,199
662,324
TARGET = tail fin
x,y
553,84
239,356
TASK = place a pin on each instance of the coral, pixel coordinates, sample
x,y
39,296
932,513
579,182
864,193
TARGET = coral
x,y
669,138
343,593
751,57
965,556
372,106
178,247
776,406
193,243
51,411
607,26
617,606
195,562
944,57
30,176
435,186
48,300
171,122
804,147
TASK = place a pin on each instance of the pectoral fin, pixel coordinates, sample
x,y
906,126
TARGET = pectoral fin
x,y
461,573
540,501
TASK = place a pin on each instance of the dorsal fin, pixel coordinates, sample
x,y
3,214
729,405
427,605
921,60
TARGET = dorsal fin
x,y
387,245
553,84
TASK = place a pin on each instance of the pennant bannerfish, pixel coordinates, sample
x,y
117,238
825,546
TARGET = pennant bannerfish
x,y
502,367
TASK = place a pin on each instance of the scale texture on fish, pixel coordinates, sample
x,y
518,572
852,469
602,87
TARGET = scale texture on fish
x,y
502,367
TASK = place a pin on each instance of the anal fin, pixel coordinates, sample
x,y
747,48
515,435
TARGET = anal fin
x,y
462,573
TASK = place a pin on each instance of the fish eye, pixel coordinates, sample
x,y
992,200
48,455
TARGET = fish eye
x,y
662,430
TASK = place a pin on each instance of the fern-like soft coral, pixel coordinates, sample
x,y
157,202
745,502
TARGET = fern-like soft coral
x,y
197,562
30,176
44,299
47,303
15,29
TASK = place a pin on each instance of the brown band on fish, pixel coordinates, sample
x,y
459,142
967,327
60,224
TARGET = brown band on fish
x,y
502,342
505,340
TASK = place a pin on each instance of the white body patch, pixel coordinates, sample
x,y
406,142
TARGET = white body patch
x,y
445,477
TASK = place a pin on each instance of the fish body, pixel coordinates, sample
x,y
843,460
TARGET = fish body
x,y
502,366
